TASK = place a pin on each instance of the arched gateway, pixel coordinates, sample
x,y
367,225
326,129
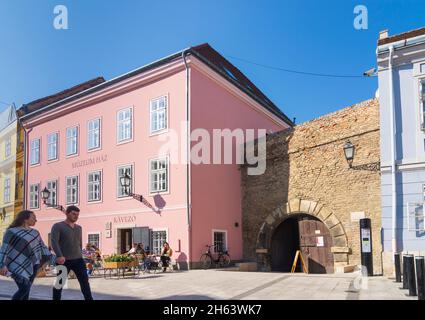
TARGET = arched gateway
x,y
303,225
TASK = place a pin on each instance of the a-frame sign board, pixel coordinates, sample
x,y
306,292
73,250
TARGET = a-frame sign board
x,y
294,265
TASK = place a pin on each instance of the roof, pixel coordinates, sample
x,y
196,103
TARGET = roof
x,y
203,52
35,105
7,117
402,36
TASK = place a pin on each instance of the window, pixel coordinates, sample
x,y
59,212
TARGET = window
x,y
52,146
94,239
6,190
159,175
124,125
72,190
7,147
94,183
158,239
158,112
35,152
93,134
121,172
71,141
220,241
52,186
34,196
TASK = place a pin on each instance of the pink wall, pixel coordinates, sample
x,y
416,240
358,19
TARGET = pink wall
x,y
216,196
94,216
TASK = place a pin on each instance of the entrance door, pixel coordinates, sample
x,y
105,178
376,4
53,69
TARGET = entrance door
x,y
285,243
315,245
126,240
307,234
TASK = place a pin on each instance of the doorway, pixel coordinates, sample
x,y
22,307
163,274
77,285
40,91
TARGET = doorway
x,y
126,240
307,234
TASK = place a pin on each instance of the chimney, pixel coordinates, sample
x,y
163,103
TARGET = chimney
x,y
383,34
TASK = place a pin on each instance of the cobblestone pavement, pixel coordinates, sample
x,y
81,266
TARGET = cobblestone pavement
x,y
219,284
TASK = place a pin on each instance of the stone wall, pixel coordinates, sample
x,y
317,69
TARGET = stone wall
x,y
307,172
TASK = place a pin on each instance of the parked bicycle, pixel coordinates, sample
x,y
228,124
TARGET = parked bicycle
x,y
207,259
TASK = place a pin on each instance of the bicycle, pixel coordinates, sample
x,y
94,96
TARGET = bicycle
x,y
223,258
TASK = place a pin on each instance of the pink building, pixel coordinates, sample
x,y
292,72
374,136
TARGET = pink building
x,y
79,146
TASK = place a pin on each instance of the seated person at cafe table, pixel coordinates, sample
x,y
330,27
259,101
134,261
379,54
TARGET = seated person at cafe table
x,y
166,254
89,256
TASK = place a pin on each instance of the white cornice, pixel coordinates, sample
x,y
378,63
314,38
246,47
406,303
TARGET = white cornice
x,y
116,213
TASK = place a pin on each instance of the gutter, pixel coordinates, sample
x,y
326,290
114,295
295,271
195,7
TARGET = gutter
x,y
401,44
25,167
188,163
393,155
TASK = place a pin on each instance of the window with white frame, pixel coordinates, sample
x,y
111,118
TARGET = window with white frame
x,y
94,239
72,190
93,134
8,147
159,175
6,190
158,114
34,196
125,125
35,152
121,173
158,237
422,102
94,186
220,244
52,186
71,141
52,146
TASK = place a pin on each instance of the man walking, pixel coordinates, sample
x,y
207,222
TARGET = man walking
x,y
67,244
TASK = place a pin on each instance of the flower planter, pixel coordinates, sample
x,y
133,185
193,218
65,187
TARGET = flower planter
x,y
116,265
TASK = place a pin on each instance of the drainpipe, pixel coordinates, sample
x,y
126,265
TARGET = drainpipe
x,y
25,167
188,166
393,153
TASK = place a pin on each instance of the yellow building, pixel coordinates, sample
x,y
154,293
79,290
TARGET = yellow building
x,y
10,188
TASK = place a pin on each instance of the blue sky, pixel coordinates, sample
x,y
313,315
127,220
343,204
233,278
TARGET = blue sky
x,y
109,38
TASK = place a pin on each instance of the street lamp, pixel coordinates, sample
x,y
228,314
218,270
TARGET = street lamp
x,y
45,194
125,181
349,152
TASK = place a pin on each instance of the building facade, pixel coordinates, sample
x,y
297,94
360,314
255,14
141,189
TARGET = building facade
x,y
10,189
139,123
401,73
309,199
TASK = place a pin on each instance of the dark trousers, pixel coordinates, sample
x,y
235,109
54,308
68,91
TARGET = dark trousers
x,y
165,261
24,285
80,270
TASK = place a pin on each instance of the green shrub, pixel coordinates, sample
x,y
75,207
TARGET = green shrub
x,y
119,258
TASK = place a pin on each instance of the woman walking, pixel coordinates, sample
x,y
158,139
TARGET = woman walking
x,y
22,253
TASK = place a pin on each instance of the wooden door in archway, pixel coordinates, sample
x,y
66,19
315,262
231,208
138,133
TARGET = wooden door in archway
x,y
315,245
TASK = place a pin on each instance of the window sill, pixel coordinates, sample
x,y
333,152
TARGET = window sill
x,y
94,150
157,133
125,141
